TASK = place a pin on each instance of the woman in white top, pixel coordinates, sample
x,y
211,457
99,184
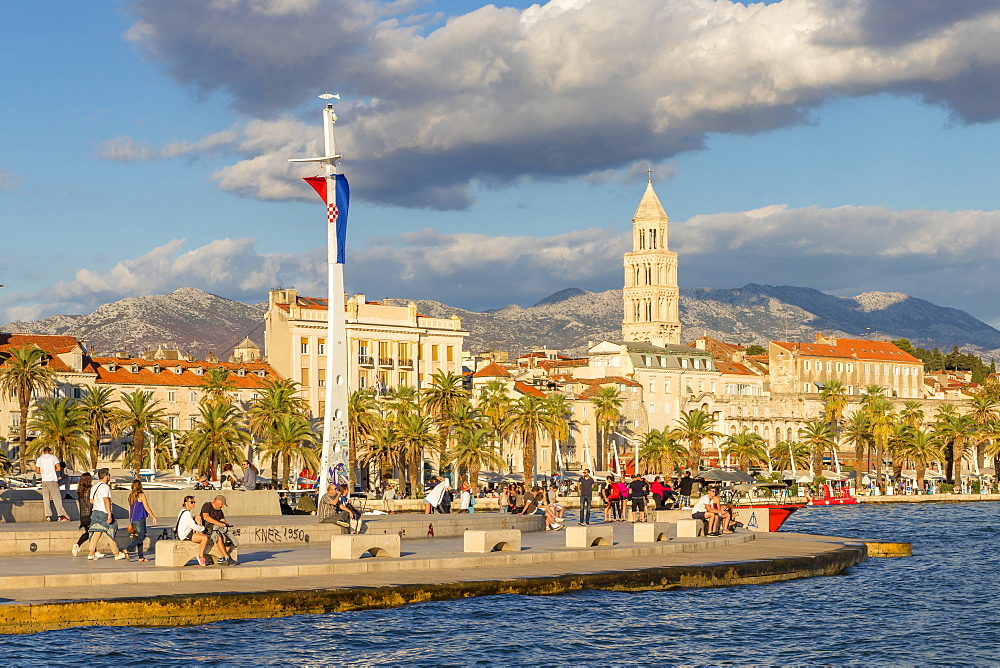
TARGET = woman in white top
x,y
102,519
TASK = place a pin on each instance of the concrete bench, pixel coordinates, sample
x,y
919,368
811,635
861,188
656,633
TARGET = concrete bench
x,y
175,553
650,532
354,546
690,528
602,535
503,540
669,515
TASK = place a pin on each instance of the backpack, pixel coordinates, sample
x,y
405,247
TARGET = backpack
x,y
615,493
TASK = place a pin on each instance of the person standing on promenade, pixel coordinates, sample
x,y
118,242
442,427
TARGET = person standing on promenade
x,y
389,498
638,490
187,528
138,511
85,506
48,467
102,517
605,492
685,490
586,496
216,526
249,476
466,497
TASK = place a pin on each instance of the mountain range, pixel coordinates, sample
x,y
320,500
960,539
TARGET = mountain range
x,y
198,322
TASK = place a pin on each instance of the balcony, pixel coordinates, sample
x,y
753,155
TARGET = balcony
x,y
366,360
406,364
385,362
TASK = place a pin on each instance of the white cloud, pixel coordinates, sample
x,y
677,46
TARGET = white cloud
x,y
564,89
944,257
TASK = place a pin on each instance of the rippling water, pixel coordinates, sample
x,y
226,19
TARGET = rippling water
x,y
940,607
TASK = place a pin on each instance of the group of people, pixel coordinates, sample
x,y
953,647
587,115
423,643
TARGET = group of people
x,y
335,506
97,521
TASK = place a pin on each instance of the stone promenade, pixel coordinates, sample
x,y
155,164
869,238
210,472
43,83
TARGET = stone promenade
x,y
55,591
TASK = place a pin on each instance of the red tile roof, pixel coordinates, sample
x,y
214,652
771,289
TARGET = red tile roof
x,y
734,368
51,344
123,374
859,349
492,370
524,388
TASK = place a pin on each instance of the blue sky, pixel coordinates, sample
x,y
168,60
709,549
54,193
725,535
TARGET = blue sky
x,y
497,154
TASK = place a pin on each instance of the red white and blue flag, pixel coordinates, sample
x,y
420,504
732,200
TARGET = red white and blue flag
x,y
336,211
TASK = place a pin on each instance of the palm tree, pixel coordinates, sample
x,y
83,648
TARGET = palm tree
x,y
60,426
746,446
881,418
857,431
363,418
164,442
217,386
957,431
473,449
24,374
694,427
607,413
922,448
494,403
912,414
139,414
834,396
99,412
899,434
793,454
276,398
984,411
665,454
818,435
401,400
441,399
415,434
559,408
381,450
292,436
529,419
218,436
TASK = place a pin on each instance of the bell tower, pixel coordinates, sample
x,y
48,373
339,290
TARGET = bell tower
x,y
651,294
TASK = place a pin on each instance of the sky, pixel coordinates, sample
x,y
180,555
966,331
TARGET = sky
x,y
497,153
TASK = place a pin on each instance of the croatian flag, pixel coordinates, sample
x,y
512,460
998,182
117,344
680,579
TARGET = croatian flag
x,y
336,212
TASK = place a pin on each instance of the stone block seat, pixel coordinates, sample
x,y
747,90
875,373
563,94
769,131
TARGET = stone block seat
x,y
175,553
601,535
650,532
490,540
690,528
355,546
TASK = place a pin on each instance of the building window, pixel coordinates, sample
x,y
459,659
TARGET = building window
x,y
434,353
304,346
805,365
305,377
805,388
684,363
840,367
652,386
652,408
829,367
172,421
849,367
171,396
192,422
194,396
451,353
321,347
666,386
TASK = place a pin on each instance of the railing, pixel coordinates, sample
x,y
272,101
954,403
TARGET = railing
x,y
385,361
406,364
366,360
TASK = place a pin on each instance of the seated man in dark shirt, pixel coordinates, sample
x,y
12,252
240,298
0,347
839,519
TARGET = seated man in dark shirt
x,y
216,527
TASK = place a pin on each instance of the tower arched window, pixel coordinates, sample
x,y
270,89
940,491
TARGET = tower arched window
x,y
652,239
642,239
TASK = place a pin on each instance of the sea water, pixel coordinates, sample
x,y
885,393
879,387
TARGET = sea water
x,y
938,607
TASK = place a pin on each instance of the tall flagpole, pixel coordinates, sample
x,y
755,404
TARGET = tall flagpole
x,y
336,396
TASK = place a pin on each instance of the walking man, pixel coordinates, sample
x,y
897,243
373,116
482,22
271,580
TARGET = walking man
x,y
48,466
586,496
685,489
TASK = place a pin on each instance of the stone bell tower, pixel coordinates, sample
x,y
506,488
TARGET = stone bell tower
x,y
651,294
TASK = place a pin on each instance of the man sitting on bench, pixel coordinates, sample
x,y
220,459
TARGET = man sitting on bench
x,y
187,528
717,513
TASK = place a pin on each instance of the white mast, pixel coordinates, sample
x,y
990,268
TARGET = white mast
x,y
335,410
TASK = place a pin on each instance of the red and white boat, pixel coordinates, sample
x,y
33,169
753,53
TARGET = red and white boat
x,y
761,506
842,497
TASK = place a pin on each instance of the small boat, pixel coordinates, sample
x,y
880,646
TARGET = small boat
x,y
768,499
843,497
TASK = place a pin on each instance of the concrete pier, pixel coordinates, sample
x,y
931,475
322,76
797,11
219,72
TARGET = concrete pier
x,y
49,591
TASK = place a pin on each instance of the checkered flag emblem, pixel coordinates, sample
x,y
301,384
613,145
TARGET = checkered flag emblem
x,y
332,213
